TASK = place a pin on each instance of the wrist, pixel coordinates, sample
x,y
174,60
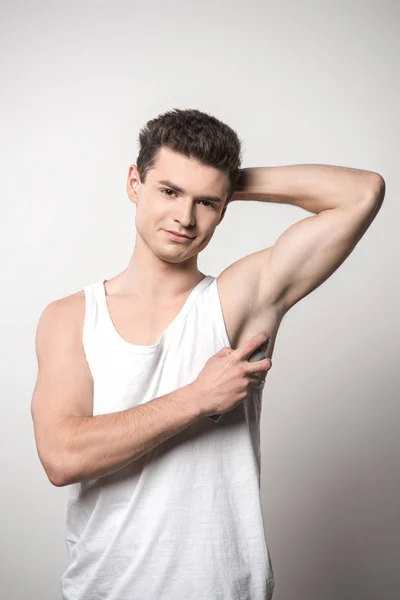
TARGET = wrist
x,y
243,184
193,399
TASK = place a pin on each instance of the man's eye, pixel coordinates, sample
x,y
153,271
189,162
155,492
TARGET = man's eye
x,y
207,202
168,190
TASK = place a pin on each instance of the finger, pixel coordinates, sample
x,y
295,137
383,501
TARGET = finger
x,y
245,351
261,365
257,382
225,351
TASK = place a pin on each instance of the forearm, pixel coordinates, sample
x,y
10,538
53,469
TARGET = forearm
x,y
99,445
312,187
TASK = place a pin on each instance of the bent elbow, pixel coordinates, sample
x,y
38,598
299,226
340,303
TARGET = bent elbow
x,y
377,188
58,473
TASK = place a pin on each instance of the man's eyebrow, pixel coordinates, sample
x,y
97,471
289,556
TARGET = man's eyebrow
x,y
176,188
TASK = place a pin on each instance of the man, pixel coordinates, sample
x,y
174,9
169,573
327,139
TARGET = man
x,y
164,501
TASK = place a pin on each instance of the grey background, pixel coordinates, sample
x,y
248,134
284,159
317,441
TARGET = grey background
x,y
301,82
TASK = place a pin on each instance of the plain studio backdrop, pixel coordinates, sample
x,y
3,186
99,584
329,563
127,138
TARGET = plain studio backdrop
x,y
301,82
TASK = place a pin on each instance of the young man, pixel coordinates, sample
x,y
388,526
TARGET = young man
x,y
164,501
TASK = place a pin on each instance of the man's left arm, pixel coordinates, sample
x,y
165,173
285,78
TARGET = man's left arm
x,y
344,201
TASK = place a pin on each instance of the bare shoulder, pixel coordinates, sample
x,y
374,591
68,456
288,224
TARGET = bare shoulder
x,y
64,383
244,313
61,319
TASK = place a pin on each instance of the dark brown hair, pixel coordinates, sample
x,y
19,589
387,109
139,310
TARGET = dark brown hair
x,y
196,135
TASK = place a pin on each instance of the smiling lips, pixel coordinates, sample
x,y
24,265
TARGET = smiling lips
x,y
177,237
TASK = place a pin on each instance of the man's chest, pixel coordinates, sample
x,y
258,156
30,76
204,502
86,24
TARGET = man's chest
x,y
144,323
141,324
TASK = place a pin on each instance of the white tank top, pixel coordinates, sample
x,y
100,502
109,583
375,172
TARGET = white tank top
x,y
185,519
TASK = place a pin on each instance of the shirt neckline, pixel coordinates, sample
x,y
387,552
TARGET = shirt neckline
x,y
153,348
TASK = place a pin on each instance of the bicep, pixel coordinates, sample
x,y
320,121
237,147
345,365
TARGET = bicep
x,y
64,384
311,250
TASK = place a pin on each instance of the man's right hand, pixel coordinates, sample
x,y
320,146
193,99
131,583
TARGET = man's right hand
x,y
226,377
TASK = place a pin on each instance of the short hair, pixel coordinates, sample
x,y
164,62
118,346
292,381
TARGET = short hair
x,y
194,134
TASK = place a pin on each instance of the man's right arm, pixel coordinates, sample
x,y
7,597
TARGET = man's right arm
x,y
73,445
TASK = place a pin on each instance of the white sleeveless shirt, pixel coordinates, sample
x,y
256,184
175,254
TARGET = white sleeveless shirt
x,y
185,519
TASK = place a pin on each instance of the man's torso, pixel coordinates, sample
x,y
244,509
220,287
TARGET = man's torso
x,y
143,323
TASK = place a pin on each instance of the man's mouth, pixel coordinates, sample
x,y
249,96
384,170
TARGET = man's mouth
x,y
178,236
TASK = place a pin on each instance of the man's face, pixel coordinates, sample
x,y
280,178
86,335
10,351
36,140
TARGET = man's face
x,y
191,211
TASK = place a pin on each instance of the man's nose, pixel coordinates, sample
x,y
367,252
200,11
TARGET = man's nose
x,y
186,216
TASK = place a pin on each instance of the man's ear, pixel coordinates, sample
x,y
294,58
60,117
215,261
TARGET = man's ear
x,y
133,183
